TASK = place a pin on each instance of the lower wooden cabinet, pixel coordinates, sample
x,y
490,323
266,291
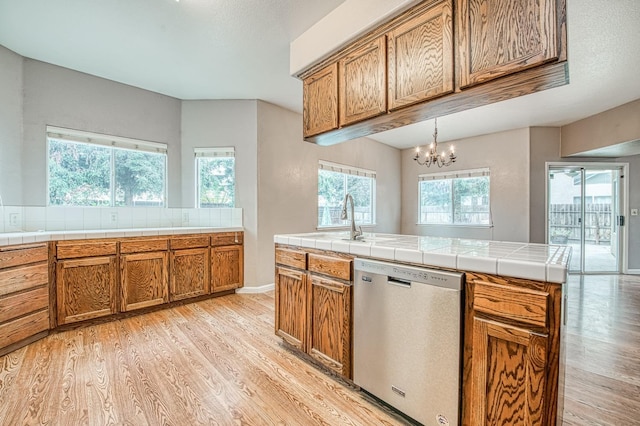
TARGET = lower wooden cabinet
x,y
313,303
24,295
512,351
189,273
509,368
329,323
291,306
86,288
227,268
144,280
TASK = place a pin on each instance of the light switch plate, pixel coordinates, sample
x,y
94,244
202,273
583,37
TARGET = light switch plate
x,y
634,212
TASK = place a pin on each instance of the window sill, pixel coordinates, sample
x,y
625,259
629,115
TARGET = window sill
x,y
454,225
343,228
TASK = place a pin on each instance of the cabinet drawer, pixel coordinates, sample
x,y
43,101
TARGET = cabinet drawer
x,y
336,267
15,256
189,242
226,238
294,258
24,327
518,304
20,304
144,245
84,248
18,279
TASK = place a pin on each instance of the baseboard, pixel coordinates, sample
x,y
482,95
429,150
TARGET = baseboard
x,y
633,271
261,289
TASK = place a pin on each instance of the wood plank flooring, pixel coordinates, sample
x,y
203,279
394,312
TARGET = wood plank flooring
x,y
215,362
218,362
603,351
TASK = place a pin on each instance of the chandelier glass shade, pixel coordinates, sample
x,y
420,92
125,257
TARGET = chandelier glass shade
x,y
431,156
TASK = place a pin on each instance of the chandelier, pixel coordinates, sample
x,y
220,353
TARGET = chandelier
x,y
432,156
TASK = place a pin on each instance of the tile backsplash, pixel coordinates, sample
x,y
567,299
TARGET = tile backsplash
x,y
21,218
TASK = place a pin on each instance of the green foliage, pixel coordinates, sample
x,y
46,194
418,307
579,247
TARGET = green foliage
x,y
332,187
80,175
459,200
216,181
140,176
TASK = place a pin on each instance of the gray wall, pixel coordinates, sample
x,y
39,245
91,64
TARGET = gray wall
x,y
611,127
633,222
10,127
288,179
226,123
61,97
506,154
544,146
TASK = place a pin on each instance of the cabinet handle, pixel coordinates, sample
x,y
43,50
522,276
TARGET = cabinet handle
x,y
566,300
235,234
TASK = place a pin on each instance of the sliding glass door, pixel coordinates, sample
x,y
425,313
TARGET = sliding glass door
x,y
584,212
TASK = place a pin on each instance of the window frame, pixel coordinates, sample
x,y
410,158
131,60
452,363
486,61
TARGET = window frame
x,y
353,171
213,152
452,176
113,143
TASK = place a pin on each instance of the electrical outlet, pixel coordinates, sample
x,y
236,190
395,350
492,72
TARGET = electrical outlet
x,y
185,217
114,216
14,218
634,212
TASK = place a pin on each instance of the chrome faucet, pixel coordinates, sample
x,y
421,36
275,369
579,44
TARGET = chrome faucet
x,y
355,233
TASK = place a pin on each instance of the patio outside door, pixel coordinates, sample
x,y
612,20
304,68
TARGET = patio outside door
x,y
583,211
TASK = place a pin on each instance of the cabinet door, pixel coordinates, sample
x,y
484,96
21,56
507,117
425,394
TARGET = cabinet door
x,y
420,55
291,306
320,101
499,37
509,367
189,273
329,319
144,280
86,288
363,82
227,268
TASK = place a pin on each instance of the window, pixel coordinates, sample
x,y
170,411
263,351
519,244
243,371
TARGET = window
x,y
460,198
216,179
334,182
89,169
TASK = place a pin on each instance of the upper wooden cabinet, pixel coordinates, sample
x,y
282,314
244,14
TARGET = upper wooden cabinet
x,y
429,61
420,57
363,82
320,101
499,37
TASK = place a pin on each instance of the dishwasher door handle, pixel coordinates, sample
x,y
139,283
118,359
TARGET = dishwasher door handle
x,y
399,282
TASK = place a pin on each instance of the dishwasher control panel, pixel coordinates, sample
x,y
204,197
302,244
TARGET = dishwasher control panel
x,y
402,273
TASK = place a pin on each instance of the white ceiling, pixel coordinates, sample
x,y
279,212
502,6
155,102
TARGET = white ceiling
x,y
239,49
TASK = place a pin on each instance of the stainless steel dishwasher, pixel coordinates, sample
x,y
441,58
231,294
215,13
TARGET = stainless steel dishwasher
x,y
407,338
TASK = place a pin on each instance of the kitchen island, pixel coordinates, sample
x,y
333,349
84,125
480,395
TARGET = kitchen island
x,y
512,366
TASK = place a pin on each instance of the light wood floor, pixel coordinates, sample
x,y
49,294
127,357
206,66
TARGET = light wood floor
x,y
218,362
603,351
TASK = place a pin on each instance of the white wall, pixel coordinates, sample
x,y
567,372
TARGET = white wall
x,y
226,123
288,179
506,154
61,97
10,127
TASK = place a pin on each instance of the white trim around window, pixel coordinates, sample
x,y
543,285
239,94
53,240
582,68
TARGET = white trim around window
x,y
73,135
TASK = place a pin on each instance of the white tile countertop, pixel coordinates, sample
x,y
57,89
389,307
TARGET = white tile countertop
x,y
540,262
12,238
